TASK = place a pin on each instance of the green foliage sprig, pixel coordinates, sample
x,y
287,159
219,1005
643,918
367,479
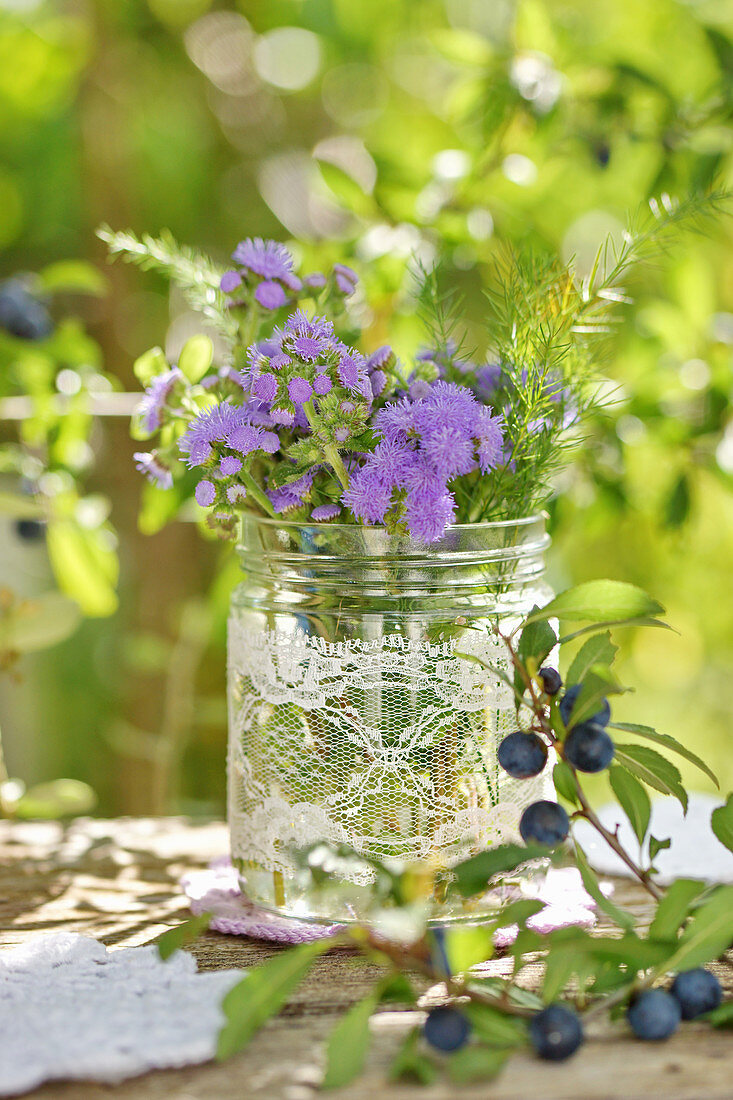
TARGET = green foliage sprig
x,y
586,973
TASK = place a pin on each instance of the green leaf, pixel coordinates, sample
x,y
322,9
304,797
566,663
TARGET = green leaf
x,y
618,916
653,769
150,364
182,935
72,275
650,734
633,799
496,1028
85,565
472,876
56,799
599,682
593,628
465,946
262,993
674,908
709,933
410,1064
722,1016
535,643
602,602
348,1043
629,950
475,1063
396,989
562,777
656,846
346,189
196,357
598,650
560,966
721,820
39,623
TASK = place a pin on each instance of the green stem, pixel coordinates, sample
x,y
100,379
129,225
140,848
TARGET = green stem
x,y
330,450
257,494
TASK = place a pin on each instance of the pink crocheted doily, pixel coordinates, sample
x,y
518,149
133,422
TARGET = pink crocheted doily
x,y
216,891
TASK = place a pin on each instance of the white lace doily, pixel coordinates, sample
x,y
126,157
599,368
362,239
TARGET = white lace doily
x,y
69,1009
696,852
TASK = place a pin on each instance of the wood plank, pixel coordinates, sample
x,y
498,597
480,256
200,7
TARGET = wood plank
x,y
118,880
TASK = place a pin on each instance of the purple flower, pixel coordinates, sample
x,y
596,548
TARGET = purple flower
x,y
150,465
230,280
246,438
265,387
419,389
316,281
212,426
368,497
378,381
292,495
230,465
205,493
346,279
325,511
348,372
270,295
268,259
379,358
450,453
282,416
153,402
341,435
428,517
236,493
487,380
322,385
300,390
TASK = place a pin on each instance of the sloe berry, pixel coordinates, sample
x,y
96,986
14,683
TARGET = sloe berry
x,y
544,822
21,314
446,1029
600,718
556,1032
522,755
654,1015
588,748
551,680
696,991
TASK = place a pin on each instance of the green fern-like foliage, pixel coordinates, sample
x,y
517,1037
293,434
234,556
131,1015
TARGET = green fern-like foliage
x,y
194,272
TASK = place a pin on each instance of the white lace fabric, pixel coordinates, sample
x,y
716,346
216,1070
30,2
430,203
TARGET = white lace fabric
x,y
387,744
71,1010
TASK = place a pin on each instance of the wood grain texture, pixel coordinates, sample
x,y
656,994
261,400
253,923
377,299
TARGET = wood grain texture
x,y
118,881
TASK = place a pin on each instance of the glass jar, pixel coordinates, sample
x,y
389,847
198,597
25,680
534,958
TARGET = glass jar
x,y
361,707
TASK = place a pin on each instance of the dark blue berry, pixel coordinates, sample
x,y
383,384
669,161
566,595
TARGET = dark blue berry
x,y
522,755
600,718
21,314
696,991
654,1015
588,748
544,822
556,1032
446,1029
551,680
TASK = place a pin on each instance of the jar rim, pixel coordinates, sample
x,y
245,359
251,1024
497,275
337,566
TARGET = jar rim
x,y
329,525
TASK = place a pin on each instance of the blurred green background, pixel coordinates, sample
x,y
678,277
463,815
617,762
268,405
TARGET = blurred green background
x,y
384,130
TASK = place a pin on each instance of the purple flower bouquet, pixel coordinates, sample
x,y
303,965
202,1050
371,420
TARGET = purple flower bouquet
x,y
388,517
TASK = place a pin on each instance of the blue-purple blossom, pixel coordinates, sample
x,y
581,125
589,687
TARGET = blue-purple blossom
x,y
378,382
292,495
268,259
379,358
315,280
205,493
425,444
230,465
299,390
325,512
322,385
265,387
154,400
150,465
230,280
487,380
230,425
345,278
270,294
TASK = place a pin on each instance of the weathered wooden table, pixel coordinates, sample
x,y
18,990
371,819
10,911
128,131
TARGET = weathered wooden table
x,y
118,881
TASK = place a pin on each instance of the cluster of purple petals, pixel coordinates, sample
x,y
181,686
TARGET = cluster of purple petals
x,y
232,426
270,263
292,495
154,400
425,444
149,464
